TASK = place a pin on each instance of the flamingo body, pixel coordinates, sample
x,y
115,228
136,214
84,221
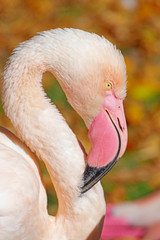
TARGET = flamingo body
x,y
23,202
19,194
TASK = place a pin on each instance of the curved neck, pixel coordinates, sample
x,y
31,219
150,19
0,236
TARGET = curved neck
x,y
38,122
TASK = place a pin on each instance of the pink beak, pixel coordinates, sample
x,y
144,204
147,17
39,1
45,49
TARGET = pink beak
x,y
108,136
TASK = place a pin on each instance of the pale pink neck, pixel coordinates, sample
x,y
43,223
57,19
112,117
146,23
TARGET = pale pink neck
x,y
39,123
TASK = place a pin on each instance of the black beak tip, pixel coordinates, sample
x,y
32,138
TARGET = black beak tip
x,y
93,174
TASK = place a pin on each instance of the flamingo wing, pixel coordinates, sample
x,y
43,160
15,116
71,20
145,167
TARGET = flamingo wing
x,y
22,196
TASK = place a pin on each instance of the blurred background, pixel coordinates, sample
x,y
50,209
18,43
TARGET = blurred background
x,y
134,26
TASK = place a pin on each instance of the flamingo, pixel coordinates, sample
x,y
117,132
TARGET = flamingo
x,y
139,218
92,73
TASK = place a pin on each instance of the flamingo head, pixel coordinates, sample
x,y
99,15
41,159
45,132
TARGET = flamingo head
x,y
95,85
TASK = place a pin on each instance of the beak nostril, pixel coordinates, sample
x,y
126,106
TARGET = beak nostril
x,y
120,124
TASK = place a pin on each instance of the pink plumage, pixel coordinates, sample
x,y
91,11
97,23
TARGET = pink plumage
x,y
118,227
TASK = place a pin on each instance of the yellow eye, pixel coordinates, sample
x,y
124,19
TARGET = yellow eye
x,y
108,85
